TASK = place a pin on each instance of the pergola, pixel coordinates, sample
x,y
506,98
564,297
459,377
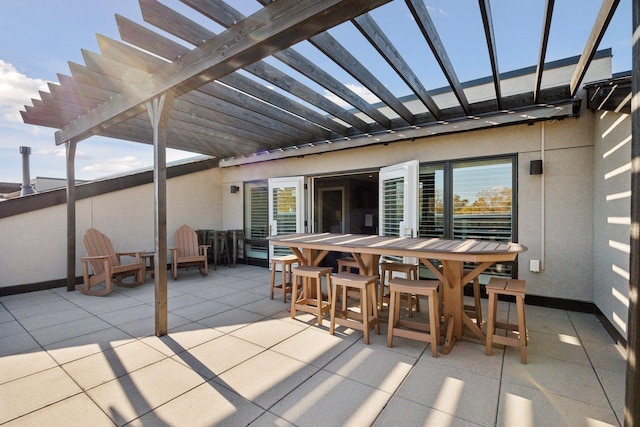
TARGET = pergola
x,y
151,89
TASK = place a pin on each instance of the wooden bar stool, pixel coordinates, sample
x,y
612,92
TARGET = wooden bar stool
x,y
309,302
386,274
364,320
347,263
287,262
409,328
474,311
516,288
236,245
218,241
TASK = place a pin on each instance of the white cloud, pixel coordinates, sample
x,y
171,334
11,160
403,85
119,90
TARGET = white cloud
x,y
114,165
437,10
52,150
359,90
16,90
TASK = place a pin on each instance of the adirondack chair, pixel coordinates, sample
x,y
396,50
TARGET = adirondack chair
x,y
188,252
106,265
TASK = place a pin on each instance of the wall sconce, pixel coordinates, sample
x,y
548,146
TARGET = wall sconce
x,y
234,189
535,167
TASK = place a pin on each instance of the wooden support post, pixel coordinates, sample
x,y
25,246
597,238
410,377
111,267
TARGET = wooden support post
x,y
71,216
632,386
159,109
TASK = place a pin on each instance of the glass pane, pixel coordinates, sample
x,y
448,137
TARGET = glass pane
x,y
284,209
482,196
431,201
393,205
482,203
257,220
284,213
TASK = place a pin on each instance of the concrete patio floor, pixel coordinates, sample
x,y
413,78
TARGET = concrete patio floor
x,y
234,357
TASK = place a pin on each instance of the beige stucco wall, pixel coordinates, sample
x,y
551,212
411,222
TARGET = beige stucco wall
x,y
568,194
612,211
126,217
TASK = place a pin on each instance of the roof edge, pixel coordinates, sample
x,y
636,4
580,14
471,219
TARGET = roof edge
x,y
85,190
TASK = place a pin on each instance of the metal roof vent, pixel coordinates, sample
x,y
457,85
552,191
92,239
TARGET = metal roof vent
x,y
26,188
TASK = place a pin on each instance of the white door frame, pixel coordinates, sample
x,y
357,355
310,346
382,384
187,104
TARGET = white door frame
x,y
408,171
297,184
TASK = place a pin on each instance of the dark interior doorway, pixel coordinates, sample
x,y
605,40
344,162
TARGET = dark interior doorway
x,y
350,199
346,204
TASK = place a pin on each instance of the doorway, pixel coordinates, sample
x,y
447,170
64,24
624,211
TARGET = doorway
x,y
331,210
346,203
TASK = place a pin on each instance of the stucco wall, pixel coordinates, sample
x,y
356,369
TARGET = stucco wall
x,y
612,211
568,194
126,217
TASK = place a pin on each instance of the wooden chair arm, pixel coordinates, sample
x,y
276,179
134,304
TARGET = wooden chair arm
x,y
204,249
135,254
86,262
90,258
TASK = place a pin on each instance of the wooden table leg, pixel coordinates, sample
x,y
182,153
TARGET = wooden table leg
x,y
453,295
449,339
368,263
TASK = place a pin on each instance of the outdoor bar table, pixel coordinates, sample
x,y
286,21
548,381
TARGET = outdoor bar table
x,y
311,248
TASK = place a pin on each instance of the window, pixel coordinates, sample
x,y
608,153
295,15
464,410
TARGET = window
x,y
470,199
482,200
431,201
256,219
393,205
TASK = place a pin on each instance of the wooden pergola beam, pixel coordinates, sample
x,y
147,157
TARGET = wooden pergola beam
x,y
487,22
605,14
269,30
328,45
235,102
544,41
428,29
174,23
374,34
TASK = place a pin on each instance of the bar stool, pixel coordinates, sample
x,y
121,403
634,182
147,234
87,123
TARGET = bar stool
x,y
386,274
516,288
307,301
236,241
287,262
409,328
347,263
364,320
475,310
218,241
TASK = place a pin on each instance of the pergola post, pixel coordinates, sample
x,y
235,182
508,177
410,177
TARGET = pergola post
x,y
159,109
632,389
71,216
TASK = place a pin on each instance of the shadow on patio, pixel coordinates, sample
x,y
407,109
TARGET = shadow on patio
x,y
234,357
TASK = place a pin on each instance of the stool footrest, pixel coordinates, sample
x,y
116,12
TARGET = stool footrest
x,y
365,287
412,329
413,325
506,326
513,287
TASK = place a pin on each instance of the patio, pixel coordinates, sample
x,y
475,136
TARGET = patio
x,y
234,357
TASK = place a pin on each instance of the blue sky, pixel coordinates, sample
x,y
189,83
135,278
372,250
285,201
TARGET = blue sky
x,y
39,37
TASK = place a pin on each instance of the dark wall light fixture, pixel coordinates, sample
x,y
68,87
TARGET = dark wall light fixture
x,y
535,167
234,189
